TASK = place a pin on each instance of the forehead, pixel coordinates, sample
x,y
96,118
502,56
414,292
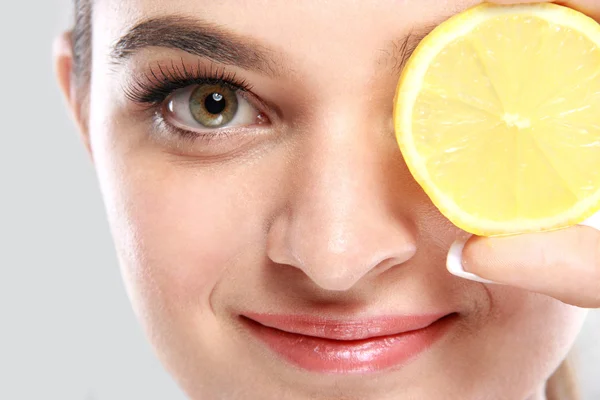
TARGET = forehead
x,y
334,26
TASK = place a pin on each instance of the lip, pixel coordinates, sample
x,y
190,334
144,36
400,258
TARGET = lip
x,y
348,346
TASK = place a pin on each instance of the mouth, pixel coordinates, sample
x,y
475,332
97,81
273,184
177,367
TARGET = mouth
x,y
348,347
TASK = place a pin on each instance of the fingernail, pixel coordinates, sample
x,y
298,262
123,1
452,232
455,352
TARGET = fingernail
x,y
592,222
454,262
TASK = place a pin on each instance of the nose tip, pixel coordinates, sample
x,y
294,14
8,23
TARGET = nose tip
x,y
337,259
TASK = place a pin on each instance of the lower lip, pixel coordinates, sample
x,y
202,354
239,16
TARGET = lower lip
x,y
350,356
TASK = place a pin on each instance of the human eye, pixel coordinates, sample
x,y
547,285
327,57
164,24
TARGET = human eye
x,y
198,104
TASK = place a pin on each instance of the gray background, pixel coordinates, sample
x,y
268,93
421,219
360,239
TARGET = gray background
x,y
67,331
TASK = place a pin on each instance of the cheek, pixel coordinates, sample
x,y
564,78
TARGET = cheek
x,y
530,329
184,223
537,315
178,226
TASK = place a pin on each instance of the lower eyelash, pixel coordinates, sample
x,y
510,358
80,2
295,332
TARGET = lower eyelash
x,y
187,137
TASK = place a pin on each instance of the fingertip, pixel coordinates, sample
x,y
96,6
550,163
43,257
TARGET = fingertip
x,y
518,1
454,262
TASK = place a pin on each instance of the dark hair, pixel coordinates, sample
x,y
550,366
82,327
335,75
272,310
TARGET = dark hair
x,y
82,42
561,385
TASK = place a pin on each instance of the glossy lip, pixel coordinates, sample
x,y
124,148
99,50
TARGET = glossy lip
x,y
348,346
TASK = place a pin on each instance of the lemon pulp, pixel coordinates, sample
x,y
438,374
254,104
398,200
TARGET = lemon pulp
x,y
497,114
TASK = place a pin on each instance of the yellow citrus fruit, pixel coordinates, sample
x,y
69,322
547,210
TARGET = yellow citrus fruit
x,y
497,114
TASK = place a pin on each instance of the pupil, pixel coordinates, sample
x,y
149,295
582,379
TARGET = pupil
x,y
215,103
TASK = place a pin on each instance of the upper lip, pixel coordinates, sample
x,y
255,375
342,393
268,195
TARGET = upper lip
x,y
355,329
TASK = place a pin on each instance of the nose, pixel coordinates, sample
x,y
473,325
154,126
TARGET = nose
x,y
341,222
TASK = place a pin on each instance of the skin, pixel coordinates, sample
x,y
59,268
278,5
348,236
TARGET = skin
x,y
319,215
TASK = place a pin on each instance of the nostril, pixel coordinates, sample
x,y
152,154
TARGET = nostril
x,y
337,257
398,258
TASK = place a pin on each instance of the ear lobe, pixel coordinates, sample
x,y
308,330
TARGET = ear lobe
x,y
63,68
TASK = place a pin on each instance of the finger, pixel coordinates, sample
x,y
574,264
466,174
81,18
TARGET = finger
x,y
518,1
563,264
588,7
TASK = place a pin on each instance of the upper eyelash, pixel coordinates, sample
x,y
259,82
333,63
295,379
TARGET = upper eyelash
x,y
154,86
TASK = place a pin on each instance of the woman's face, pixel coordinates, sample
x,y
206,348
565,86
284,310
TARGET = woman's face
x,y
297,203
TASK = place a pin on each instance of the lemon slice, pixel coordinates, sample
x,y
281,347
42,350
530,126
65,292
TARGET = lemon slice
x,y
497,115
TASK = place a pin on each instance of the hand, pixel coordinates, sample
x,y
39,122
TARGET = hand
x,y
564,264
588,7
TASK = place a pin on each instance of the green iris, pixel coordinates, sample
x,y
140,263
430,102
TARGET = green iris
x,y
213,106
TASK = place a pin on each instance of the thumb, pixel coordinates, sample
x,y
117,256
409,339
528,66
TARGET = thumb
x,y
518,1
588,7
563,264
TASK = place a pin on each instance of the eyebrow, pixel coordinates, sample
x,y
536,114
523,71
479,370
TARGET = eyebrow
x,y
199,38
207,40
402,49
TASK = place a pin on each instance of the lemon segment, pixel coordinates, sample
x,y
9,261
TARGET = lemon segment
x,y
497,115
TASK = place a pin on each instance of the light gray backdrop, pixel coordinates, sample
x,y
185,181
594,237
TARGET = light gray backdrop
x,y
66,328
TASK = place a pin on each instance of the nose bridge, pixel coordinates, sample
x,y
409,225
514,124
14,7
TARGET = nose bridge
x,y
339,225
337,190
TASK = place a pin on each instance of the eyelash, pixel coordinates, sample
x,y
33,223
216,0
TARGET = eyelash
x,y
154,87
